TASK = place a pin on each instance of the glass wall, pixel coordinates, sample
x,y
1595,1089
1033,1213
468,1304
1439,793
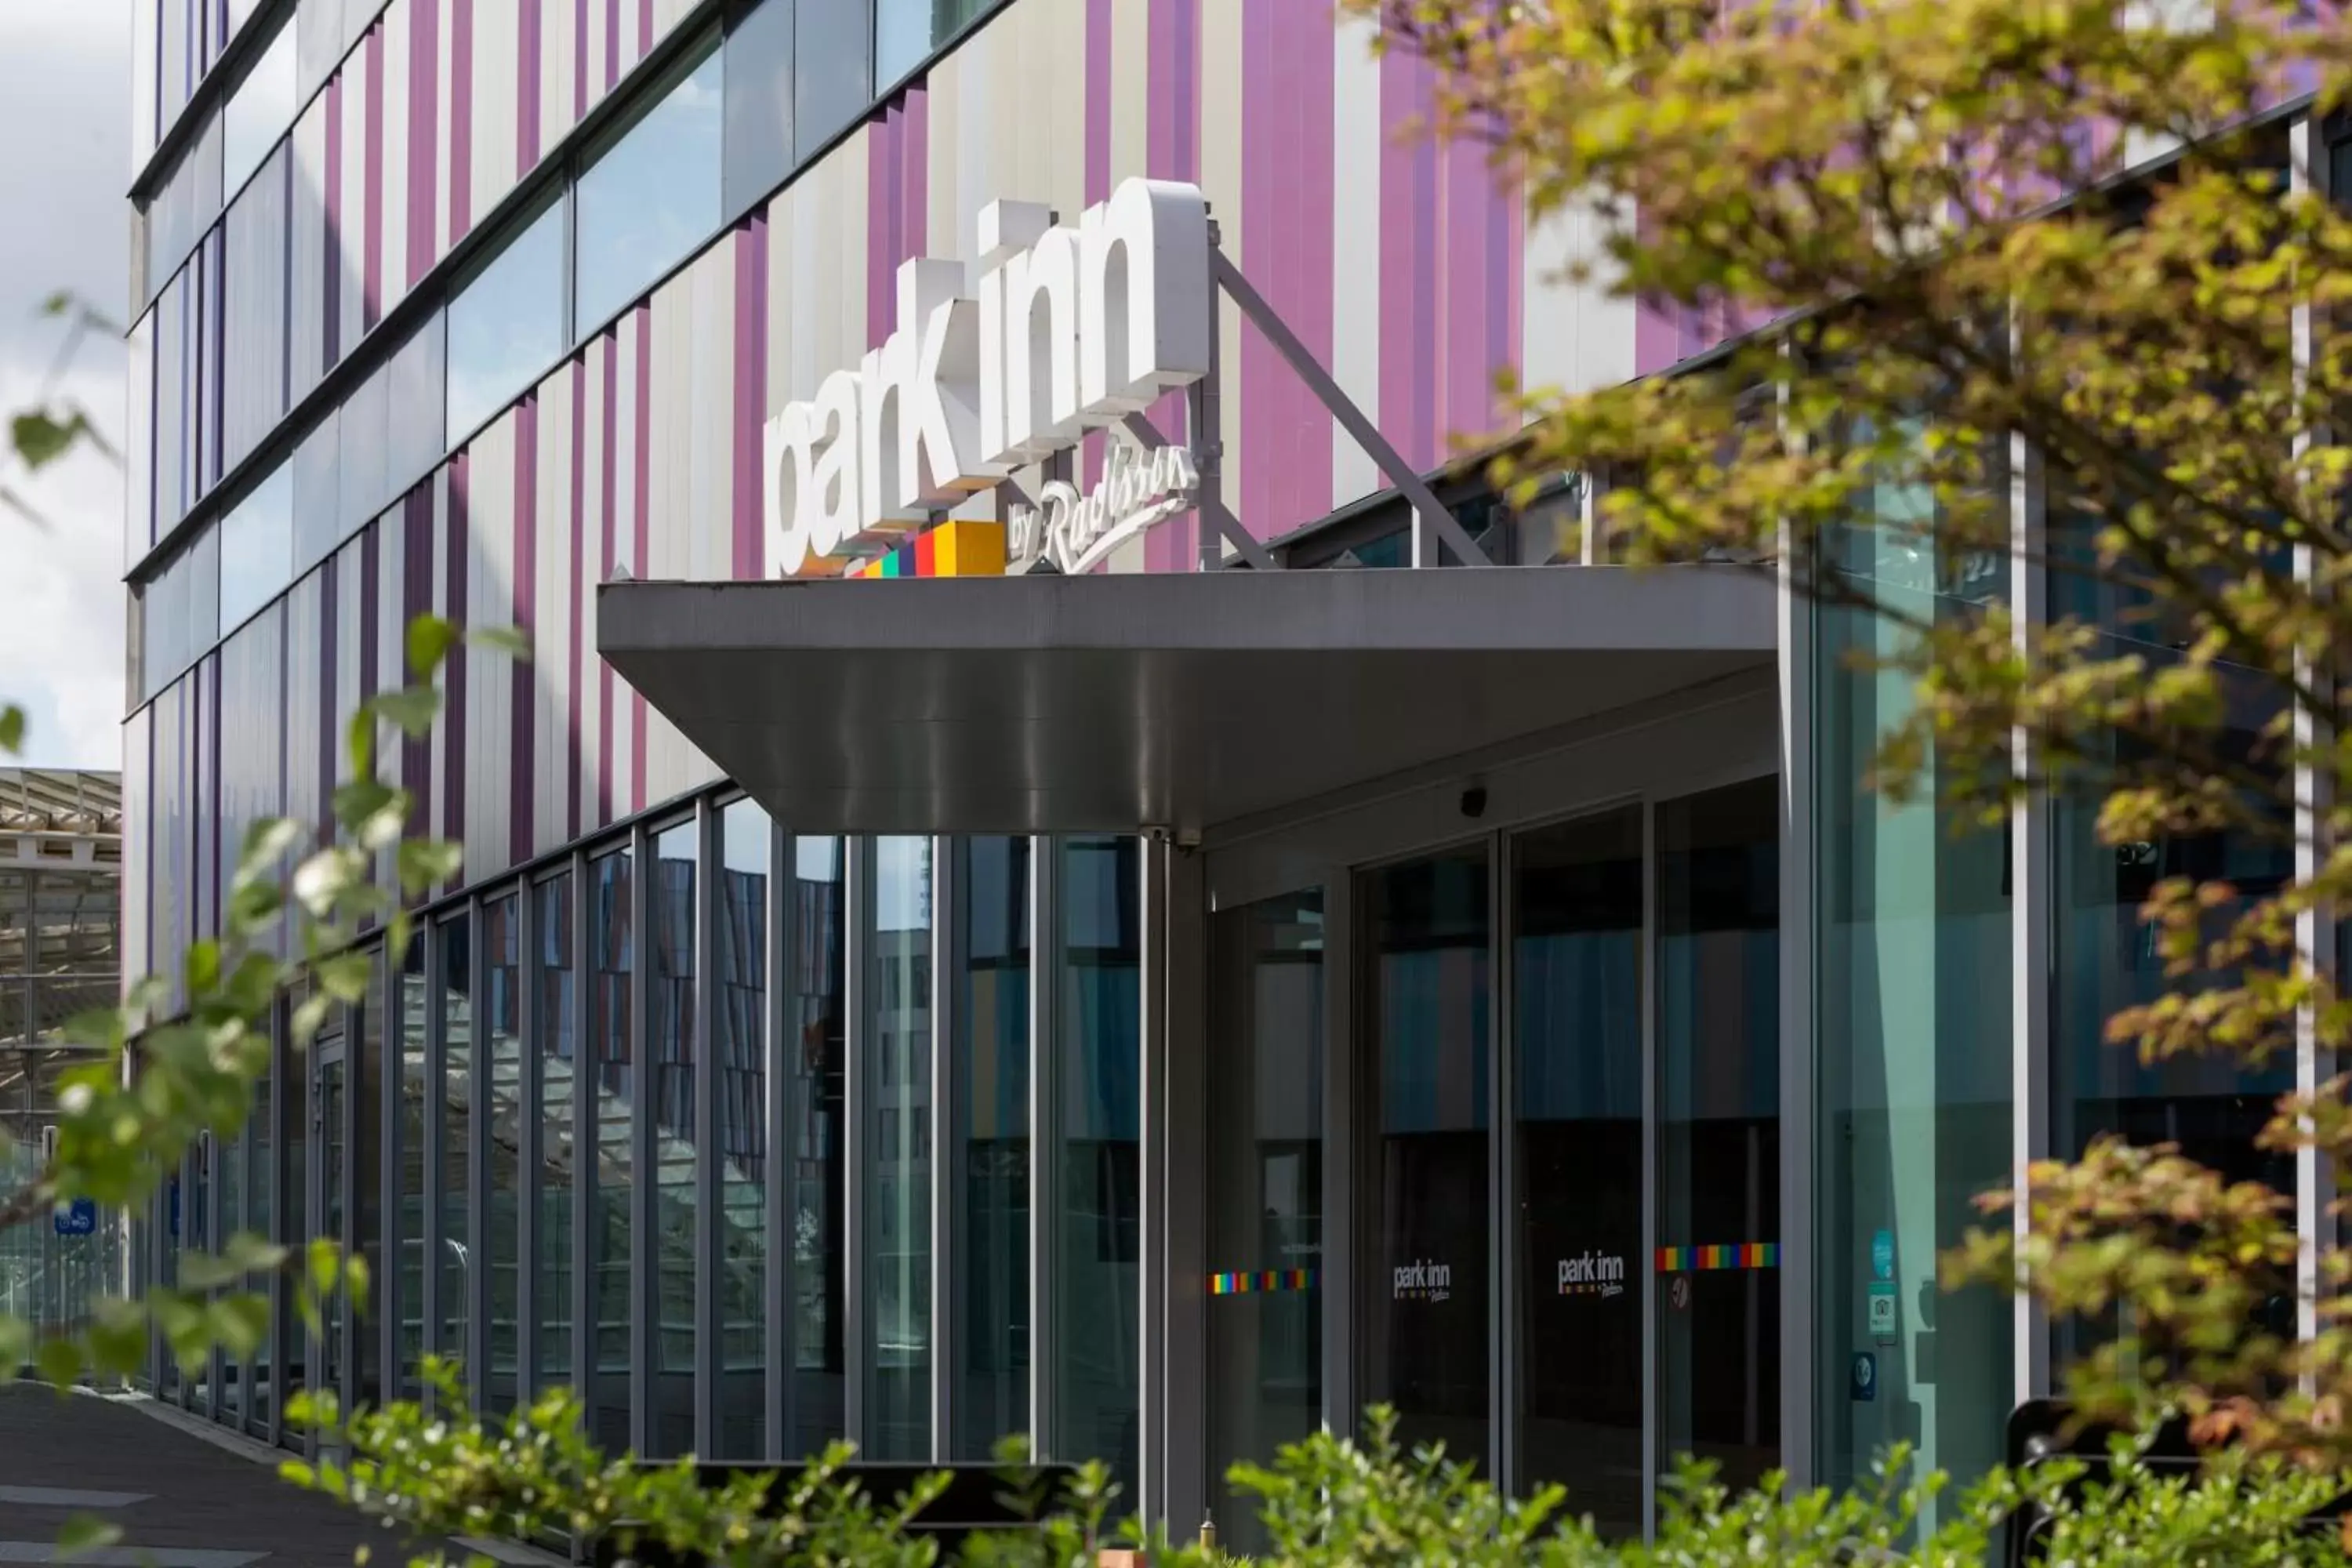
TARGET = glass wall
x,y
408,1068
897,1174
1913,1024
672,1057
818,1061
507,322
989,1131
454,1252
907,31
609,1179
1718,1097
497,1381
1576,1005
739,950
1265,1068
555,1089
1098,1084
1425,1317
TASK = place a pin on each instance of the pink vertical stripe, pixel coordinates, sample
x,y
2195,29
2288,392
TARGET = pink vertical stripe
x,y
1288,71
415,544
461,119
1462,345
609,350
612,44
522,745
643,500
458,531
372,165
527,87
1099,84
750,389
424,120
645,28
1409,220
580,569
331,293
1171,151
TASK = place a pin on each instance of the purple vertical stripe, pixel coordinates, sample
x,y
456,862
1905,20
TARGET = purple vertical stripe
x,y
424,120
612,44
461,119
750,390
1467,193
371,161
608,530
916,200
1171,151
370,607
1289,55
1506,272
527,88
882,239
458,531
417,599
643,557
1409,221
522,771
332,292
645,28
1098,26
579,571
328,739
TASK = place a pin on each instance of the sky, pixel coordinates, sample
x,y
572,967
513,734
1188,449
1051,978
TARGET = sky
x,y
64,116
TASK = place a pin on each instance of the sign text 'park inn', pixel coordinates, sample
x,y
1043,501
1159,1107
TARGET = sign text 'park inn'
x,y
1066,330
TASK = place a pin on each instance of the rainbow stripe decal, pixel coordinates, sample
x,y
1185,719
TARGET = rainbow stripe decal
x,y
1738,1255
1265,1282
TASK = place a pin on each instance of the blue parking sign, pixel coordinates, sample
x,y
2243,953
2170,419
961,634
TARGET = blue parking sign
x,y
79,1218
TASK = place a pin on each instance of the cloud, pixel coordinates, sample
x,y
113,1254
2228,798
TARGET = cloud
x,y
65,75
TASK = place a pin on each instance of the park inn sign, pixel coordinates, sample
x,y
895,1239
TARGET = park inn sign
x,y
1067,330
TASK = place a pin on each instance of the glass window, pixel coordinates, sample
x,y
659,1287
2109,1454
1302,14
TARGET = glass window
x,y
611,931
1913,997
455,1254
1718,1140
259,111
1576,1006
1266,1193
739,950
364,488
324,31
507,323
412,436
1426,1315
253,377
558,1030
497,1380
907,31
184,206
758,132
990,1127
257,548
652,195
672,1058
139,441
898,1172
832,69
818,1059
1099,1074
318,501
408,1064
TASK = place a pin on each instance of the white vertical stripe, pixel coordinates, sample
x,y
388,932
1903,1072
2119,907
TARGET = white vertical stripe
x,y
496,72
1356,139
391,244
559,110
551,493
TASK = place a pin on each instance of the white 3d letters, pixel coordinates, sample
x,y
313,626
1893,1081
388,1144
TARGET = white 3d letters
x,y
1066,330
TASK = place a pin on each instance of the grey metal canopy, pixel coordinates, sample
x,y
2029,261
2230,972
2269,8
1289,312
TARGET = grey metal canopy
x,y
1047,704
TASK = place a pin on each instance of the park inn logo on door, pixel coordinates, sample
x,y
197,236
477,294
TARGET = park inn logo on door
x,y
1421,1280
1593,1274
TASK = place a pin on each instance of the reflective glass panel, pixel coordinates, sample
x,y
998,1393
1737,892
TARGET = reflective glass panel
x,y
672,1054
557,1087
501,1032
408,1061
612,976
456,1254
817,1057
259,111
1426,1310
898,1174
739,948
507,324
989,1129
257,548
907,31
652,196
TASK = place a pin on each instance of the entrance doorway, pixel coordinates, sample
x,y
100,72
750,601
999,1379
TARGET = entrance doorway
x,y
1567,1205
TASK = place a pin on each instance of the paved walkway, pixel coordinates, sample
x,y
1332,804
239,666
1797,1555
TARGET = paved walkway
x,y
183,1501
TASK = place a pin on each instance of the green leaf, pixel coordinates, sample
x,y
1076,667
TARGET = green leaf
x,y
430,638
344,977
411,710
118,1336
85,1533
60,1362
239,1322
358,741
15,1345
360,799
40,439
512,641
11,727
424,862
266,842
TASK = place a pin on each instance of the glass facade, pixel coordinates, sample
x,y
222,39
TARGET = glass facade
x,y
896,1172
988,1137
672,1057
607,1175
741,1056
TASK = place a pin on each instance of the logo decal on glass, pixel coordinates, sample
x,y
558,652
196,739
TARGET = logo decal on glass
x,y
1593,1274
1423,1281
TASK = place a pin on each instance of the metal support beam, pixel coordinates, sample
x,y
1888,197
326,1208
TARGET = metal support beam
x,y
948,940
1152,1282
1801,1383
857,1006
1138,427
1045,1136
643,1327
709,1149
2030,870
1430,513
1502,1159
780,1051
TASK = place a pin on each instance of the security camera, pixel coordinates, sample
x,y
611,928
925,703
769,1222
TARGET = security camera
x,y
1474,802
